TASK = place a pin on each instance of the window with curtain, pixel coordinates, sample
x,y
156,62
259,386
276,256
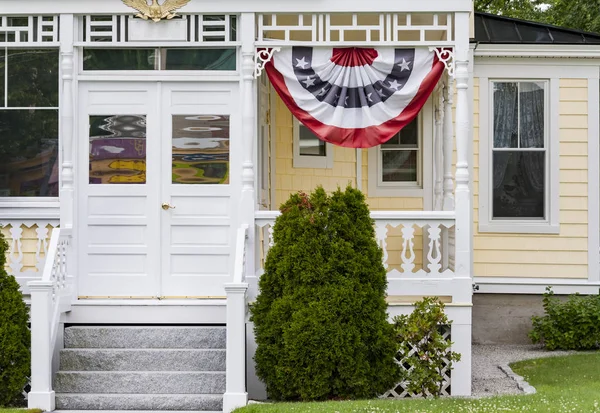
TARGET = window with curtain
x,y
399,158
519,150
29,122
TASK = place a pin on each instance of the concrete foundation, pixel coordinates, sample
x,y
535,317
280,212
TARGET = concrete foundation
x,y
504,318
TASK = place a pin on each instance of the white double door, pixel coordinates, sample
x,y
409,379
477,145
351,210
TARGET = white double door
x,y
158,177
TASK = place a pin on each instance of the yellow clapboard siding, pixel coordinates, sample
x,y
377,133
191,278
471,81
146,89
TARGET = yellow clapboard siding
x,y
573,107
573,121
574,94
531,270
573,135
573,203
574,176
504,256
531,243
573,148
565,83
573,189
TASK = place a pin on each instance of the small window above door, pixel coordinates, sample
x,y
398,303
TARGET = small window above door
x,y
170,59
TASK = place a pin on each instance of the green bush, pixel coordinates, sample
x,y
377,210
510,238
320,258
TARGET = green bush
x,y
421,331
14,336
320,318
568,325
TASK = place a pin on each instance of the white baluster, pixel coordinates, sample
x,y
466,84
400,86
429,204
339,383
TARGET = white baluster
x,y
16,249
42,247
408,252
434,244
270,229
381,231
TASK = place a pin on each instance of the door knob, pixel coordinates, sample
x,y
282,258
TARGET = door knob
x,y
166,206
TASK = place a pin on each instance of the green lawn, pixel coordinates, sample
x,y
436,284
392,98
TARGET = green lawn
x,y
564,384
20,410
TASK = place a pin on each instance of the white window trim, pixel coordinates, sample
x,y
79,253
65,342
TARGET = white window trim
x,y
550,225
424,186
304,161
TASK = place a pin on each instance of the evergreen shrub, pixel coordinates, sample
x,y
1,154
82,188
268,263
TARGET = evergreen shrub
x,y
14,336
423,346
573,324
320,318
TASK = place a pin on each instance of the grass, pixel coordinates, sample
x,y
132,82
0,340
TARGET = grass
x,y
564,384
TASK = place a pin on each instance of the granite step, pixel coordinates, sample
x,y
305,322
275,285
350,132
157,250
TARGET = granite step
x,y
127,382
139,402
92,359
146,337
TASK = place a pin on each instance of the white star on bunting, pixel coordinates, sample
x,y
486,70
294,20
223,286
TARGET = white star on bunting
x,y
395,85
302,63
404,65
369,97
323,92
309,81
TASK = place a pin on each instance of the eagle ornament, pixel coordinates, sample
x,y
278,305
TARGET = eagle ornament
x,y
156,12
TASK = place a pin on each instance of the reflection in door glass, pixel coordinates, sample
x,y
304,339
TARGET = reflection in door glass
x,y
200,149
118,149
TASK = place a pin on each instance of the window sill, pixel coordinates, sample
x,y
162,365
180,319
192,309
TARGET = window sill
x,y
396,192
520,227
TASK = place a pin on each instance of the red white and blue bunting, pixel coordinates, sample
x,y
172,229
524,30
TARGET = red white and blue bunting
x,y
354,97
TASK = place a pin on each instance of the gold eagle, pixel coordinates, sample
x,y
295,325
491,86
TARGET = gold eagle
x,y
156,12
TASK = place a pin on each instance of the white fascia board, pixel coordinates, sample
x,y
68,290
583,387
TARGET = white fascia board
x,y
518,285
580,51
240,6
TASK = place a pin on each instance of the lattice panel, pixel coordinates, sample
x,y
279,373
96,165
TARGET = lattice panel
x,y
407,28
28,29
400,390
200,28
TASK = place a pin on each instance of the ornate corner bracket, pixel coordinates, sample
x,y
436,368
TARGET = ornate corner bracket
x,y
261,58
446,56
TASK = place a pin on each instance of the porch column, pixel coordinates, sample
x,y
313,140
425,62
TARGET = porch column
x,y
66,122
461,331
448,204
438,158
236,394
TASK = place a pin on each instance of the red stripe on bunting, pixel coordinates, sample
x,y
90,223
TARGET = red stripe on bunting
x,y
362,137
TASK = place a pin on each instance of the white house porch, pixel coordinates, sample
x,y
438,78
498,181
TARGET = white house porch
x,y
64,283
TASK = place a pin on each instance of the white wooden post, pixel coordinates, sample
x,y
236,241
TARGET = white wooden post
x,y
66,118
41,395
235,389
461,331
235,393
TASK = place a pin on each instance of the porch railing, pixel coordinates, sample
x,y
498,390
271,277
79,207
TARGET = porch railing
x,y
50,298
418,249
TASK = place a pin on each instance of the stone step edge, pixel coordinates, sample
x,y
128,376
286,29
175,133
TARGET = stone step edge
x,y
136,411
214,395
142,349
141,372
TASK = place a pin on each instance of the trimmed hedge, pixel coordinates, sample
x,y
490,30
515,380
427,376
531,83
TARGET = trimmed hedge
x,y
15,337
320,318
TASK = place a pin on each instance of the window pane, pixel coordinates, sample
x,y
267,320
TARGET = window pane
x,y
407,137
399,166
118,149
531,101
200,149
201,59
506,113
310,145
2,80
119,59
518,184
28,153
32,78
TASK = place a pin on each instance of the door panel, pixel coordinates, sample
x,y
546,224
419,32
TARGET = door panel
x,y
118,147
200,168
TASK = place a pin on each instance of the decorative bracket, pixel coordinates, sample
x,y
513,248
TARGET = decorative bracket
x,y
446,56
261,58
